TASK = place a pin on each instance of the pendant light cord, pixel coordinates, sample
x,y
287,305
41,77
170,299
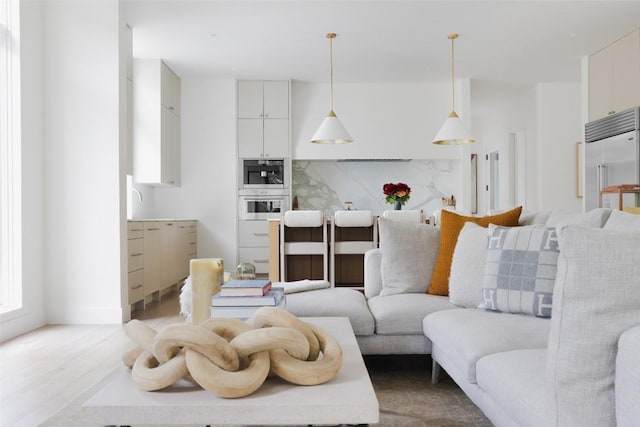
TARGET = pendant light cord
x,y
331,36
453,86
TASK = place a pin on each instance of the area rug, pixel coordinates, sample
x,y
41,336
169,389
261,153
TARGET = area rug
x,y
402,384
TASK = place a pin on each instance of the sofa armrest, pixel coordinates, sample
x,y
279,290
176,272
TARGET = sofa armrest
x,y
372,272
627,385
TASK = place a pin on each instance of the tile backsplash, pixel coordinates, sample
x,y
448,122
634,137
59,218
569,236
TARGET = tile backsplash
x,y
327,184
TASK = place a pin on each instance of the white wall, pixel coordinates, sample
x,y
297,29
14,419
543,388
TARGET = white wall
x,y
208,189
559,127
83,172
492,122
32,313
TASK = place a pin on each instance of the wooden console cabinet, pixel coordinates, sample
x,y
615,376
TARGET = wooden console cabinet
x,y
159,256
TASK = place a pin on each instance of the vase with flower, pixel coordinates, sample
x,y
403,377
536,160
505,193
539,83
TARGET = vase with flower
x,y
397,194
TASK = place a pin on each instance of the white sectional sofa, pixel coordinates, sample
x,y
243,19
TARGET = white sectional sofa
x,y
577,368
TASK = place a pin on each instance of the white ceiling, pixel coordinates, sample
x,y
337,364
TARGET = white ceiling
x,y
517,42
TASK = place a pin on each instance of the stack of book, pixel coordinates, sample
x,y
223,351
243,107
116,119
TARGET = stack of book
x,y
241,298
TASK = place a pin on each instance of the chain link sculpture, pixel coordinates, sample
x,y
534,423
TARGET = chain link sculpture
x,y
232,358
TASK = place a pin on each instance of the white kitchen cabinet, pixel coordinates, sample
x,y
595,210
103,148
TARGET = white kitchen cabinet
x,y
614,77
135,266
263,119
253,245
259,99
156,128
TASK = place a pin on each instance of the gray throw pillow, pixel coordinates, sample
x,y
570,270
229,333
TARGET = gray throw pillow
x,y
520,270
595,218
409,252
622,221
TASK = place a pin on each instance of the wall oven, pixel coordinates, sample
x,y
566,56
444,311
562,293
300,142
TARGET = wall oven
x,y
262,204
264,173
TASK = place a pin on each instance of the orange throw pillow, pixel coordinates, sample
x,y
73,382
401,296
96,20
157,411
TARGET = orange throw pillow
x,y
450,225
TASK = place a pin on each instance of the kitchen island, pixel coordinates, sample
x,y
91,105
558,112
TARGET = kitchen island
x,y
349,267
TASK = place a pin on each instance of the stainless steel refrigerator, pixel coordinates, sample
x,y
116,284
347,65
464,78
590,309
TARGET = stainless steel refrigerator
x,y
612,154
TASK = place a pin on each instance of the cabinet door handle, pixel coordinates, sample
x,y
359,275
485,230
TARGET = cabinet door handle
x,y
266,115
153,229
137,229
171,108
136,287
169,224
136,254
261,234
261,261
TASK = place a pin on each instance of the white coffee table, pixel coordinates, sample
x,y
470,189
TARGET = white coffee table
x,y
348,398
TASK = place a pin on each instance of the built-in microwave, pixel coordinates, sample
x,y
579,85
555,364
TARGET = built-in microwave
x,y
262,204
264,173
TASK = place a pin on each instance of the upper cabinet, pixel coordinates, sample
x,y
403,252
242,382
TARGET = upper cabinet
x,y
614,77
156,131
263,119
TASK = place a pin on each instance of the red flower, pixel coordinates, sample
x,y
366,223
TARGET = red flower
x,y
398,192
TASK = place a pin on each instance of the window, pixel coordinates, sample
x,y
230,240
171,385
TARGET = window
x,y
10,158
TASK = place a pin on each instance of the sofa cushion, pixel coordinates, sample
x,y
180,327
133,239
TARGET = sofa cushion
x,y
467,266
622,221
514,380
403,313
334,302
520,270
596,298
595,218
628,378
450,226
465,335
409,251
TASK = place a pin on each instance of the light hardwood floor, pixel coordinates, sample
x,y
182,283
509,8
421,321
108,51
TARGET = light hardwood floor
x,y
43,371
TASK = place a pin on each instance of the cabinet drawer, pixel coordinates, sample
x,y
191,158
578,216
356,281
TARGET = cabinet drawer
x,y
135,229
136,254
253,234
136,286
259,257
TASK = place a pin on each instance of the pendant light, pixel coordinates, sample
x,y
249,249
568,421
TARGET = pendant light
x,y
331,130
453,131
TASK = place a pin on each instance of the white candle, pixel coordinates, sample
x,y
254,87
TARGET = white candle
x,y
207,275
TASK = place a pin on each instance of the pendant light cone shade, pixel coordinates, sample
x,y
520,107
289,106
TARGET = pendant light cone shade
x,y
453,131
331,130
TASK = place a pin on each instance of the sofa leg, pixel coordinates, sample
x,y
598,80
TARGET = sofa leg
x,y
435,372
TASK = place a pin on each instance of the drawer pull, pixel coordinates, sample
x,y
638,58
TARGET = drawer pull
x,y
261,234
153,229
137,229
137,254
136,287
261,261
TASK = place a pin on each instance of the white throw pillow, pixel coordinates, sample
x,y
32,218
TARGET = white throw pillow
x,y
622,221
596,298
409,252
467,266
